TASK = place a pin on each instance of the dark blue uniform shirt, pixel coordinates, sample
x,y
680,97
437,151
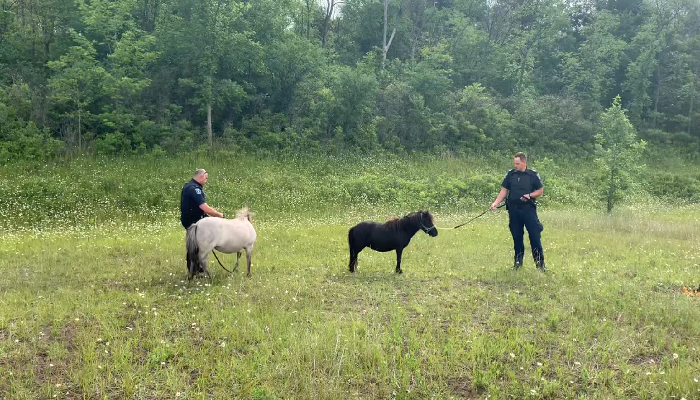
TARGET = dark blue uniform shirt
x,y
520,183
191,198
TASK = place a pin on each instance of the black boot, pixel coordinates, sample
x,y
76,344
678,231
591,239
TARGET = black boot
x,y
539,260
518,262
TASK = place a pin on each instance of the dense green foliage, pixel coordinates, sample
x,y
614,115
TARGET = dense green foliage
x,y
141,76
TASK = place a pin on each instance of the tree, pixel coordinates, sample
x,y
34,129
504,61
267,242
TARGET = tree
x,y
105,21
77,81
288,62
133,55
617,152
693,79
204,38
20,138
480,121
328,11
591,74
386,45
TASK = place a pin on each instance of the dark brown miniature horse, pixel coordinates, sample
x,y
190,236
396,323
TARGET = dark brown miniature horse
x,y
392,235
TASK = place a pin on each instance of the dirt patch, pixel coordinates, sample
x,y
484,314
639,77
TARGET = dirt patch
x,y
50,371
639,360
463,388
194,375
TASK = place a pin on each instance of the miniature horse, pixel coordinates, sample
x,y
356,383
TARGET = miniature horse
x,y
392,235
225,235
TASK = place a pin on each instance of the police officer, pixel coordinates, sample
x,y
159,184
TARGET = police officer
x,y
193,204
523,186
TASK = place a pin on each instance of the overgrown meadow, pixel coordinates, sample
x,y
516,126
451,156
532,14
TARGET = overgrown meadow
x,y
95,304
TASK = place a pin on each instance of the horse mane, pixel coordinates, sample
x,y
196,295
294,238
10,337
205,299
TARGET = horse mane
x,y
399,223
244,213
392,221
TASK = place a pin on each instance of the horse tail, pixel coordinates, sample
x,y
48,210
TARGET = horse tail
x,y
192,249
351,238
245,213
353,253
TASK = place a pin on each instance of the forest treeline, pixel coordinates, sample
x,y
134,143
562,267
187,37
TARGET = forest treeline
x,y
171,76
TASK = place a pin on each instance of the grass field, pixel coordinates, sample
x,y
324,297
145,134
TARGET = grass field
x,y
103,310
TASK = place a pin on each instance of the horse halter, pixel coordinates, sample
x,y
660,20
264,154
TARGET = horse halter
x,y
425,228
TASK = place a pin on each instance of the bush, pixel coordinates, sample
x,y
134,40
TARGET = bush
x,y
112,143
28,143
674,187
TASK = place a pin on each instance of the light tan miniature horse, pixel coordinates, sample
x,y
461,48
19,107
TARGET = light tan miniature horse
x,y
224,235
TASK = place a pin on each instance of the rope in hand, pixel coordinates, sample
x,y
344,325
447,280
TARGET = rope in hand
x,y
478,216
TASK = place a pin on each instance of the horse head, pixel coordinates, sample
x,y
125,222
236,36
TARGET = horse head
x,y
426,223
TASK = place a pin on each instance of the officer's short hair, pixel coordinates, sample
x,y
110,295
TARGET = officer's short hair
x,y
522,156
199,172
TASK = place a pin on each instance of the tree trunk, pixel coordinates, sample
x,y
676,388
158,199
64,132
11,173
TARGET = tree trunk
x,y
337,28
386,22
80,143
521,75
692,97
386,27
611,191
330,4
209,131
656,95
308,18
416,30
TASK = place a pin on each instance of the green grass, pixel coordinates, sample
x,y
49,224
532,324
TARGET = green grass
x,y
103,310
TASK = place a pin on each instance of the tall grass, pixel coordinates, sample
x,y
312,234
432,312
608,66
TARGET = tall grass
x,y
96,191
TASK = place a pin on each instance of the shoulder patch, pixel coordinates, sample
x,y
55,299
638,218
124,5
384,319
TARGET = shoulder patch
x,y
198,191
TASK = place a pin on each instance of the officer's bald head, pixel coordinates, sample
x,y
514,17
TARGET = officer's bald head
x,y
201,176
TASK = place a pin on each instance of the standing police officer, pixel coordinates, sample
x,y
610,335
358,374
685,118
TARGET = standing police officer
x,y
522,186
193,204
